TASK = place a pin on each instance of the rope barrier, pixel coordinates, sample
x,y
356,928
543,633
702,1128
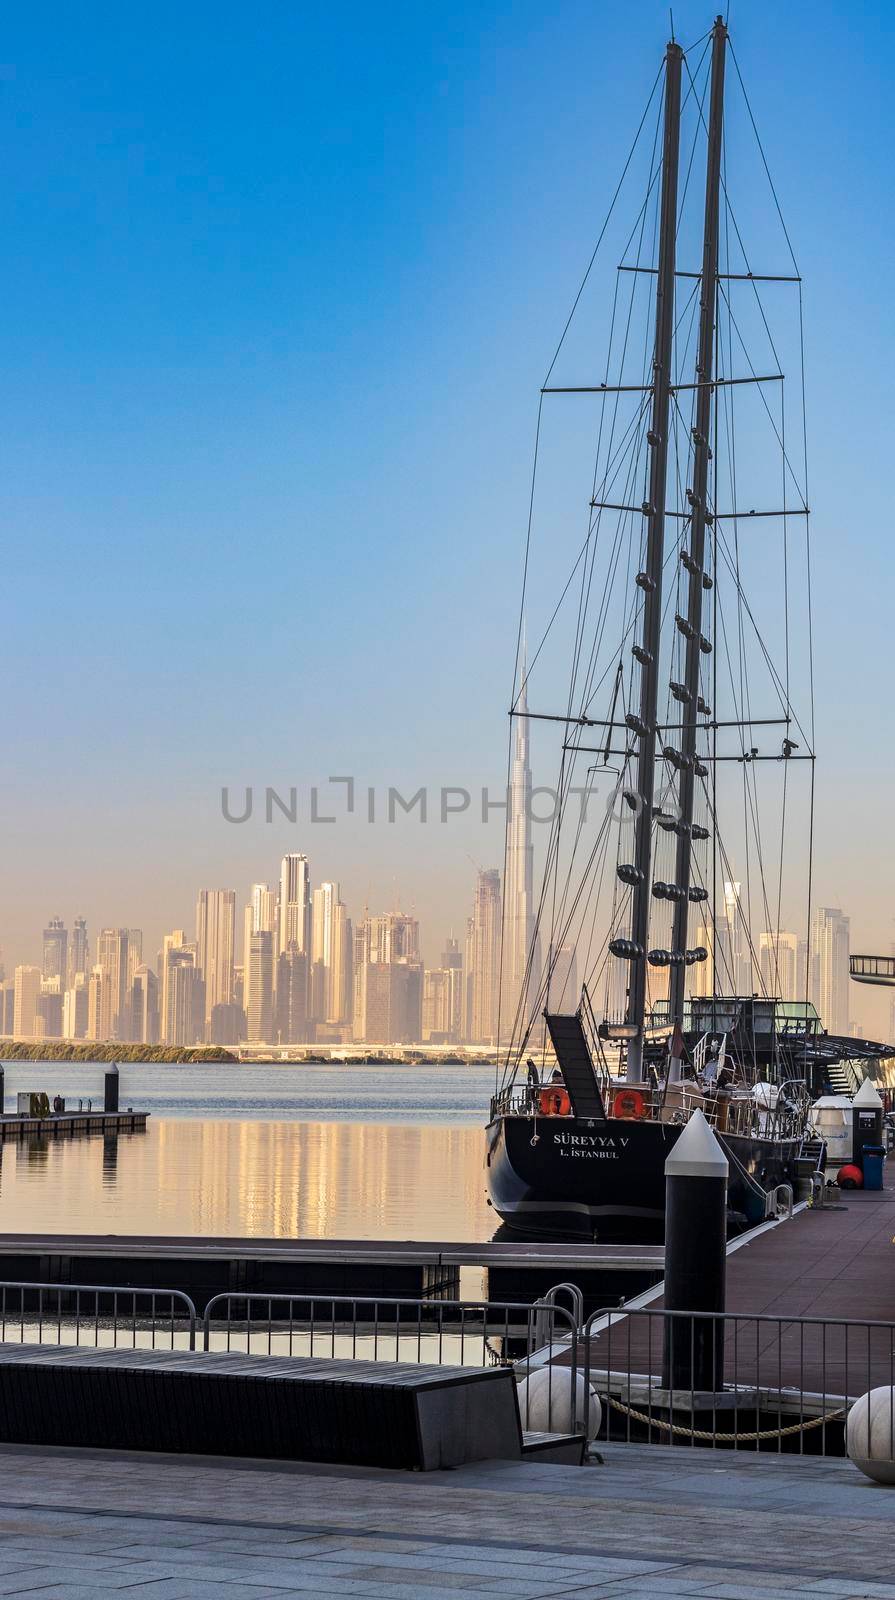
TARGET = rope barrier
x,y
702,1433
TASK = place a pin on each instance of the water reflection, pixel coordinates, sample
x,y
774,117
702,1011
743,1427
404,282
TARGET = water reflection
x,y
264,1179
110,1157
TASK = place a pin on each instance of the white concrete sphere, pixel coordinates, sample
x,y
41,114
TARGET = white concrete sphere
x,y
870,1434
548,1403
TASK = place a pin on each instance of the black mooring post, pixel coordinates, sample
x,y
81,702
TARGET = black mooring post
x,y
110,1102
2,1092
695,1259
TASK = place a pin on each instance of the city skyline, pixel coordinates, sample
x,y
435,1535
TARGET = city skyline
x,y
364,980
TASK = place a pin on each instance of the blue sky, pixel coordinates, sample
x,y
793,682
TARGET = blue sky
x,y
279,286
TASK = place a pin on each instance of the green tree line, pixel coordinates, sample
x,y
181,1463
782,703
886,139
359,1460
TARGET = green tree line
x,y
70,1050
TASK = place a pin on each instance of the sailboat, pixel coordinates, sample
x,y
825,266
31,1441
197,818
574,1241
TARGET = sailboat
x,y
682,1004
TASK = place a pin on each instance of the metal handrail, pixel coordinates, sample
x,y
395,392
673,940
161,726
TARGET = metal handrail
x,y
393,1318
539,1332
24,1317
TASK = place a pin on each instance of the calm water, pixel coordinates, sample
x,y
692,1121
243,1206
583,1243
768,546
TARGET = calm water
x,y
277,1151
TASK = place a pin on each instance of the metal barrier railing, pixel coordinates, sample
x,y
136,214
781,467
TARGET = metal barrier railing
x,y
775,1383
466,1333
96,1314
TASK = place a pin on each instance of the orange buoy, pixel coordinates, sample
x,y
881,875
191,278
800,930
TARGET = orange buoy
x,y
554,1101
629,1103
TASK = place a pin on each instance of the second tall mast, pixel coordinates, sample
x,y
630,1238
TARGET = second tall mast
x,y
650,579
696,644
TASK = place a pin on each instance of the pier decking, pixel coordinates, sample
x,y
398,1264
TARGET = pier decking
x,y
13,1126
831,1264
202,1267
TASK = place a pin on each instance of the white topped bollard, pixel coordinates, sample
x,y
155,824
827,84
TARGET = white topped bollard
x,y
870,1434
554,1399
867,1121
695,1258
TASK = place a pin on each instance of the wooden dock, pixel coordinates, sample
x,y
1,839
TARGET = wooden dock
x,y
21,1126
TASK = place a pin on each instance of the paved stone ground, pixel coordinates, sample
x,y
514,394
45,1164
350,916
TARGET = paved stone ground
x,y
652,1522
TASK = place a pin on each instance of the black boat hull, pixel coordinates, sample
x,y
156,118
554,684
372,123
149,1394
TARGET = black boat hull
x,y
606,1180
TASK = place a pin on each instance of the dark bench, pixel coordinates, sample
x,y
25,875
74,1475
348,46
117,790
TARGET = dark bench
x,y
362,1413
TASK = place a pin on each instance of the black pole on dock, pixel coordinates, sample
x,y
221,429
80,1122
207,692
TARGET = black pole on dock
x,y
2,1091
695,1259
110,1101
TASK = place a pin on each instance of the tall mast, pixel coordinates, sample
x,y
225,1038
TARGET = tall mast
x,y
695,558
650,580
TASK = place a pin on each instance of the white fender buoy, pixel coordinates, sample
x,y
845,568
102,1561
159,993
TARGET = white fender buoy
x,y
549,1404
870,1434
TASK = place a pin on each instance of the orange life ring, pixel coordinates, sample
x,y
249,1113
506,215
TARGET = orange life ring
x,y
629,1103
554,1100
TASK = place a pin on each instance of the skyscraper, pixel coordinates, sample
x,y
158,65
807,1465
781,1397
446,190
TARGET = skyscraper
x,y
443,1000
26,996
170,941
295,904
520,949
75,1008
485,958
7,1008
78,950
48,1023
342,984
259,977
291,1004
388,980
829,980
98,1002
112,957
55,950
330,956
778,957
564,992
260,916
216,941
183,1021
144,1006
452,962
